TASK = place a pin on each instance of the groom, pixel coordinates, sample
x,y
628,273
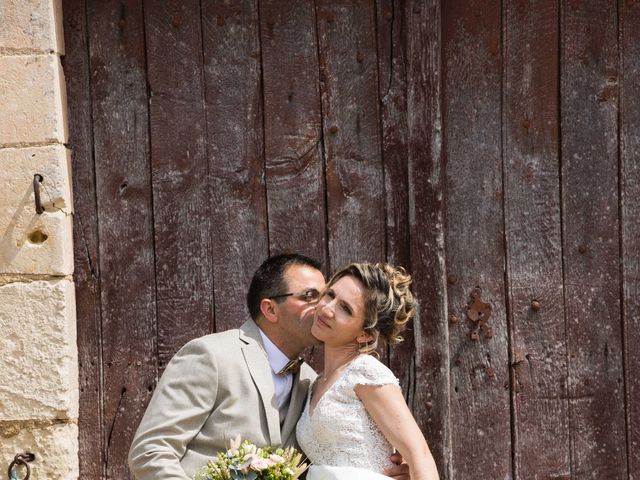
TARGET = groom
x,y
237,382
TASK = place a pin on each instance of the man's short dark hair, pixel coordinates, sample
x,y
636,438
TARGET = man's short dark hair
x,y
269,280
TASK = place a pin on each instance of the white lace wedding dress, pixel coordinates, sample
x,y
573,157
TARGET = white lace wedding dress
x,y
340,439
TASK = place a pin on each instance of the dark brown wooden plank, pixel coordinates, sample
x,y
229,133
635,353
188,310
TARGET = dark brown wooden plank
x,y
429,366
589,109
480,404
292,128
351,123
391,53
630,201
179,173
238,208
392,91
85,240
123,186
293,132
534,242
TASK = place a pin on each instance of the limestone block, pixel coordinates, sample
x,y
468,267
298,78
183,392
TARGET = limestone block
x,y
39,361
55,447
31,25
32,243
32,100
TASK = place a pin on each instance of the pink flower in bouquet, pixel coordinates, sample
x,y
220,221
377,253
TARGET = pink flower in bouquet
x,y
276,459
259,464
249,457
244,467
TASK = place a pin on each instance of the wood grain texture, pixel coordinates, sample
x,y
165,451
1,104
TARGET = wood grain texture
x,y
85,241
238,207
429,364
392,67
630,209
589,109
179,174
292,128
534,241
126,253
392,86
475,251
351,122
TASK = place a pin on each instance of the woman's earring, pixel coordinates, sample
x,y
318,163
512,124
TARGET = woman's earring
x,y
367,342
363,343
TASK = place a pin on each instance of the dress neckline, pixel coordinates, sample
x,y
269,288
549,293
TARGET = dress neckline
x,y
337,380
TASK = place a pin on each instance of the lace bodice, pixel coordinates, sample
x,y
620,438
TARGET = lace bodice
x,y
340,432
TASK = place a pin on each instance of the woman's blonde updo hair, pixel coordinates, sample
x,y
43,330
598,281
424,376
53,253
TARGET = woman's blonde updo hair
x,y
388,302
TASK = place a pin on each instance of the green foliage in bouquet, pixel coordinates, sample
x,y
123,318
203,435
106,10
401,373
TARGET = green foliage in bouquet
x,y
245,461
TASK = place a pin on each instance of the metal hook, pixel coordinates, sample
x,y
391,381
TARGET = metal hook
x,y
21,459
37,178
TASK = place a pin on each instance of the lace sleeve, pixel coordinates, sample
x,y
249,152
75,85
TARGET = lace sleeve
x,y
366,370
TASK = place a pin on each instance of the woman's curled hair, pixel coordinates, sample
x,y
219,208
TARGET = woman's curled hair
x,y
388,302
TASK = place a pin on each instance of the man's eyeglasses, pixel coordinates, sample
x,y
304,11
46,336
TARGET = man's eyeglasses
x,y
310,295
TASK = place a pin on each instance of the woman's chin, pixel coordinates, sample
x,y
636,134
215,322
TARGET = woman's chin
x,y
317,339
317,333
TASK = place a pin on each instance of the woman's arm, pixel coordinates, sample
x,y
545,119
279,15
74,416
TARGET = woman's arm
x,y
386,405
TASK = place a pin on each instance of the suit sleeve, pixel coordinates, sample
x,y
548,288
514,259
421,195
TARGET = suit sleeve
x,y
179,407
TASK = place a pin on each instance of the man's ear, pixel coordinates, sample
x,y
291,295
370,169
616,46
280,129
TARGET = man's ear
x,y
269,310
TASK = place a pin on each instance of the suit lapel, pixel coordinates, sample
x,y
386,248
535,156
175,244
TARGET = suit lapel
x,y
258,366
296,404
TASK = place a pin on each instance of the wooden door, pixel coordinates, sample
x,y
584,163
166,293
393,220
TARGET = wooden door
x,y
489,147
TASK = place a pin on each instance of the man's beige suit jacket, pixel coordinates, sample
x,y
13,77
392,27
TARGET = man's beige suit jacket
x,y
215,388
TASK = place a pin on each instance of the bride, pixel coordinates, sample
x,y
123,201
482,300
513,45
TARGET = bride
x,y
355,411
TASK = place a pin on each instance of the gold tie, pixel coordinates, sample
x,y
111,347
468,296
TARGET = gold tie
x,y
292,366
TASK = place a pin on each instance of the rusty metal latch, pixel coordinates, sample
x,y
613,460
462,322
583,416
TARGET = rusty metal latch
x,y
37,178
479,313
20,459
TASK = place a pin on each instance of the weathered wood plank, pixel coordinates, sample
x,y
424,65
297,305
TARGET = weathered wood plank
x,y
630,200
238,211
534,241
392,91
428,366
292,128
351,123
85,240
179,174
123,186
589,109
480,404
391,54
293,132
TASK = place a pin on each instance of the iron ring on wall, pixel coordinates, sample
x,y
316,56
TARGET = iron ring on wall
x,y
21,459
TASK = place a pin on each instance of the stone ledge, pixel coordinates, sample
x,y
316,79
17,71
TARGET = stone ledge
x,y
39,362
29,144
31,243
32,100
55,447
31,25
6,278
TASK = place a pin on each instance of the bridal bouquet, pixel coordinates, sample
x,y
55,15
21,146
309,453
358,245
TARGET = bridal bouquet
x,y
245,461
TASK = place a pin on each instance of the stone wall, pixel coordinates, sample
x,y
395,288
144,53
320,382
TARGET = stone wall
x,y
38,361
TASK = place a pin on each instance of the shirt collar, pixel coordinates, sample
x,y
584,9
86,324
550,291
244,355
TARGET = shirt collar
x,y
277,359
